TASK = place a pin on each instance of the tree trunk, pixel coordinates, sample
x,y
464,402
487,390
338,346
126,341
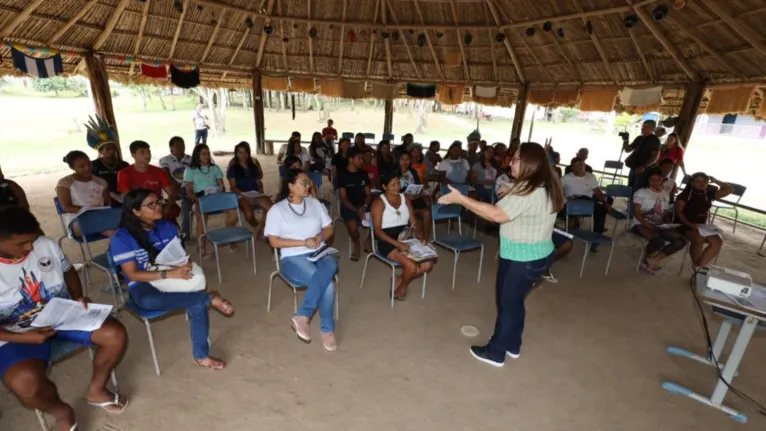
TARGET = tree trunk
x,y
172,99
142,92
162,101
223,104
282,101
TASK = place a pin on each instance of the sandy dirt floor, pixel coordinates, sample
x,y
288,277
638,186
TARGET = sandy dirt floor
x,y
593,357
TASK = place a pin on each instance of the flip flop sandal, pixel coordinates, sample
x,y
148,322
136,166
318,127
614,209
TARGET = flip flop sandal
x,y
215,365
107,404
224,306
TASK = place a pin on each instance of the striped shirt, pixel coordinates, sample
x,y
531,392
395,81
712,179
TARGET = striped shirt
x,y
527,235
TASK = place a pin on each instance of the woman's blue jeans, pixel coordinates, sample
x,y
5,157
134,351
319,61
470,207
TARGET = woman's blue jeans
x,y
320,291
195,303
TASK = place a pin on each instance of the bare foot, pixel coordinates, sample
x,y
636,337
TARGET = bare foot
x,y
211,363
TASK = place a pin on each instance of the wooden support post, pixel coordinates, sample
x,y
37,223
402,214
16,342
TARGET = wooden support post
x,y
521,111
99,87
260,130
687,116
388,121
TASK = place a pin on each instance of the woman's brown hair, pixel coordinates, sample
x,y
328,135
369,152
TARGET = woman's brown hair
x,y
534,172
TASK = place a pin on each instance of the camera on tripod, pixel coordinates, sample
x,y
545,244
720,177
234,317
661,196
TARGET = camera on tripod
x,y
625,137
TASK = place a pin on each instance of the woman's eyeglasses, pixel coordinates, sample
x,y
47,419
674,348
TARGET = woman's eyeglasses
x,y
154,204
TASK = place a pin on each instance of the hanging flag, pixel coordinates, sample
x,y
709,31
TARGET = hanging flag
x,y
159,72
184,78
37,67
421,91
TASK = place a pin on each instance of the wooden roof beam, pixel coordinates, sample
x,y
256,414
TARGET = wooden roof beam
x,y
264,36
110,25
439,71
178,29
21,17
514,58
72,21
386,41
739,27
697,37
528,47
372,39
462,49
491,45
282,35
342,38
640,53
597,44
212,36
558,44
404,40
141,28
311,39
672,49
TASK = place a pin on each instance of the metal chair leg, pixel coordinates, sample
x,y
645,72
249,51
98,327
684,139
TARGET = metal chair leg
x,y
217,263
337,298
425,280
454,268
252,245
271,285
41,418
584,258
481,262
151,345
609,262
393,285
364,271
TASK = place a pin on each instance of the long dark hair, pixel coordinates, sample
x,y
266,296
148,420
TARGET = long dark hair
x,y
251,166
133,200
381,161
534,172
291,176
195,161
316,141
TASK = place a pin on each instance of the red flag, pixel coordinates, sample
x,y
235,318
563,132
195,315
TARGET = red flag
x,y
154,71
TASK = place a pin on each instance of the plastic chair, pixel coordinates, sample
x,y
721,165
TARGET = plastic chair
x,y
388,137
626,192
369,136
281,171
616,167
295,285
225,235
349,135
585,208
392,264
458,244
61,351
739,190
450,212
318,179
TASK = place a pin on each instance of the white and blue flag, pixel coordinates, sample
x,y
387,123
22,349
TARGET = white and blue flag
x,y
37,67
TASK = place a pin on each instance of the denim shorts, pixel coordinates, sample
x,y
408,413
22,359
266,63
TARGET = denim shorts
x,y
13,353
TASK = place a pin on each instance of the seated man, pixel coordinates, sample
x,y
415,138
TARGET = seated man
x,y
103,138
582,154
563,245
33,270
580,184
174,165
142,175
11,193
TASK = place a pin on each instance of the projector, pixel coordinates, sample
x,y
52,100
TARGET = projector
x,y
729,282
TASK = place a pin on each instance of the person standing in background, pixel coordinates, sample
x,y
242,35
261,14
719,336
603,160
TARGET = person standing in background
x,y
329,133
200,125
174,165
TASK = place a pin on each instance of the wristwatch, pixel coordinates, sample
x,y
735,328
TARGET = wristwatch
x,y
164,274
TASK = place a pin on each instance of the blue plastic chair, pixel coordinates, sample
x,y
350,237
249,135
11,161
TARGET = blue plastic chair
x,y
458,244
388,137
349,135
67,233
392,264
370,136
295,285
318,179
281,171
739,190
219,202
61,351
616,191
615,176
585,208
91,223
450,212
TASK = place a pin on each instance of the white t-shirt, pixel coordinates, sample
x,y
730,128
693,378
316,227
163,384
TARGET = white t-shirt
x,y
28,284
175,166
669,184
455,170
653,205
579,186
200,120
284,221
304,155
502,181
83,194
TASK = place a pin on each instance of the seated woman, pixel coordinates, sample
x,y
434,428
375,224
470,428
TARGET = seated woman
x,y
299,224
320,153
135,246
484,173
292,162
651,208
81,189
204,177
419,163
11,193
454,168
355,197
421,204
340,161
243,177
385,160
257,163
391,215
692,209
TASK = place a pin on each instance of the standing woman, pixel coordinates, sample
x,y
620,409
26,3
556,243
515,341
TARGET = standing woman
x,y
385,159
526,215
299,224
244,177
484,174
421,204
391,215
201,178
81,189
135,246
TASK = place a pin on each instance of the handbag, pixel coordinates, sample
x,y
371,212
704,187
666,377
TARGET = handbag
x,y
173,285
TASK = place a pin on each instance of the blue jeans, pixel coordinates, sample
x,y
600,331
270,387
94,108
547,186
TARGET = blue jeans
x,y
514,280
195,303
187,206
320,290
200,136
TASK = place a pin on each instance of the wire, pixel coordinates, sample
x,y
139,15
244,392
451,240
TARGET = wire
x,y
708,339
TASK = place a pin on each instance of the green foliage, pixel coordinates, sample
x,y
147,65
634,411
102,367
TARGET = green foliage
x,y
58,84
624,120
568,114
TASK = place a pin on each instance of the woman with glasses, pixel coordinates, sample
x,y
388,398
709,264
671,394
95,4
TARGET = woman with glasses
x,y
299,225
526,215
135,246
392,215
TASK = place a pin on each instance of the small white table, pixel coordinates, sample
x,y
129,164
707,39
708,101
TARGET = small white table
x,y
734,314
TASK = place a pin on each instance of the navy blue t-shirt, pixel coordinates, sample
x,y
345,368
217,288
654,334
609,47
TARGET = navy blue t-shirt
x,y
126,249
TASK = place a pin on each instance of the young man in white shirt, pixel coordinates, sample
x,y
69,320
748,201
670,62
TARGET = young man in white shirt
x,y
174,165
200,125
34,270
580,184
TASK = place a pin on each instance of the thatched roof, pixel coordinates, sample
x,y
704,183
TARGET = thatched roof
x,y
712,40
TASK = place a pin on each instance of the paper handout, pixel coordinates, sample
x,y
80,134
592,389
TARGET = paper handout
x,y
68,315
709,230
418,251
85,209
413,189
251,194
173,254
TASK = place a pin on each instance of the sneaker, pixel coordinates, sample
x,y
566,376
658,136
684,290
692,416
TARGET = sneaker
x,y
329,341
480,353
513,355
549,277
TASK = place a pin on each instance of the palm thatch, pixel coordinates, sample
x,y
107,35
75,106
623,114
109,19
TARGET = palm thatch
x,y
446,41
